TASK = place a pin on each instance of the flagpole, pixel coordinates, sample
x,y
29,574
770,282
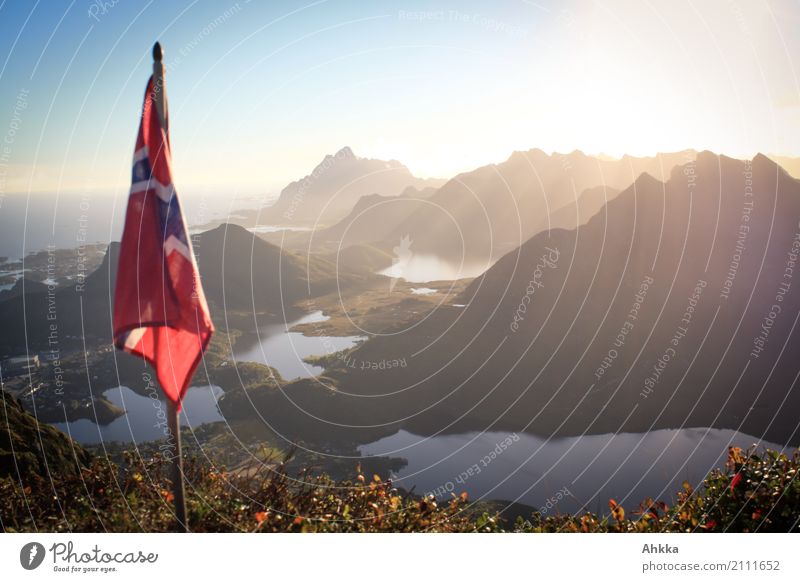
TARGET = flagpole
x,y
160,88
178,489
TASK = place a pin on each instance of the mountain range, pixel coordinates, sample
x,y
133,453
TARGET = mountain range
x,y
674,306
483,214
334,186
240,272
479,215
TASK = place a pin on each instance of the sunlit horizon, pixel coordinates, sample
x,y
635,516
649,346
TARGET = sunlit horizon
x,y
256,103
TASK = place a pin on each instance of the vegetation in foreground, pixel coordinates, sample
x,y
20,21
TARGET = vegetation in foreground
x,y
757,491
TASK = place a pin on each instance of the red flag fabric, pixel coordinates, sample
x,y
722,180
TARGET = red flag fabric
x,y
160,311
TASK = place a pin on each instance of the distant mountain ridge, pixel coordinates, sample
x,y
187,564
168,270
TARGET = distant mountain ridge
x,y
335,185
659,312
791,165
239,271
483,214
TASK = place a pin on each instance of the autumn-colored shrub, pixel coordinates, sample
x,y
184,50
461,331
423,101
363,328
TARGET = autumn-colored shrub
x,y
756,492
105,497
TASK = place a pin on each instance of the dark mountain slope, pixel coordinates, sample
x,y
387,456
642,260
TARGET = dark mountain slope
x,y
494,209
29,448
675,305
240,272
372,217
23,286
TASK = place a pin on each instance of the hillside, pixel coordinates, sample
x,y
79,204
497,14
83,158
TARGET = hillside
x,y
330,191
240,272
577,212
21,286
65,315
643,318
756,491
483,214
372,217
30,448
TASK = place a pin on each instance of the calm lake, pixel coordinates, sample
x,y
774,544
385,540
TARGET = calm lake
x,y
584,472
144,418
424,268
274,345
515,467
284,350
528,469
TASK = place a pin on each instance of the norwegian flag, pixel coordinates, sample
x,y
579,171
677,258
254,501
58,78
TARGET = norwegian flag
x,y
160,311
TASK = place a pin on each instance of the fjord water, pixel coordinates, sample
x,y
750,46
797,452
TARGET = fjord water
x,y
422,268
579,472
274,345
145,417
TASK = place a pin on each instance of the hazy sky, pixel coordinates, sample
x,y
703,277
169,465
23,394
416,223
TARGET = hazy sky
x,y
261,91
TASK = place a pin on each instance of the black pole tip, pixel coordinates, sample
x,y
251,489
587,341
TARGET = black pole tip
x,y
158,54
